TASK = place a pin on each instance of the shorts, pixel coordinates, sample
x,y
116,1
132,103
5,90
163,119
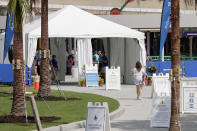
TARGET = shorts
x,y
138,82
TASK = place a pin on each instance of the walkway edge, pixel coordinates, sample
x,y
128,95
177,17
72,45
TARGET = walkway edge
x,y
81,124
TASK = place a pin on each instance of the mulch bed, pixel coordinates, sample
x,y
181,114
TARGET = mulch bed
x,y
52,98
22,119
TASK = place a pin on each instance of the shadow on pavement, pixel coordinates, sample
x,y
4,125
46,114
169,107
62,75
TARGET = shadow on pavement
x,y
69,83
189,122
135,125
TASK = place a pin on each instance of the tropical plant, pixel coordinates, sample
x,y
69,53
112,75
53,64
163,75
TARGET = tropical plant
x,y
149,78
101,79
152,68
19,8
82,80
44,90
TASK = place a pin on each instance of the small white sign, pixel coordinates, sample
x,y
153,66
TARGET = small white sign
x,y
113,78
98,117
91,75
189,99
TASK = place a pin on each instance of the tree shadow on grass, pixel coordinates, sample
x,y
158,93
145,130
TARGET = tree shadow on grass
x,y
6,94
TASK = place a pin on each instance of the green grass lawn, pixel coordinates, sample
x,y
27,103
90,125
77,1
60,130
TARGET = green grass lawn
x,y
69,111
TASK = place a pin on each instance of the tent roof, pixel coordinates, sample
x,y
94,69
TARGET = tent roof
x,y
74,22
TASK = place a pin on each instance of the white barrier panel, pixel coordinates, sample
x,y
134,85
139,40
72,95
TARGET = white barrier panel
x,y
161,111
113,78
158,77
98,117
91,75
75,72
161,87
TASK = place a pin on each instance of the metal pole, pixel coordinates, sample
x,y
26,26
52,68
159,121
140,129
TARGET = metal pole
x,y
190,47
148,43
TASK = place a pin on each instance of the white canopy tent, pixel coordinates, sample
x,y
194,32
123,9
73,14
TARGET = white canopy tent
x,y
76,23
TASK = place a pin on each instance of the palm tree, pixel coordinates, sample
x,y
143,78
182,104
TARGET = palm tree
x,y
175,51
19,8
44,90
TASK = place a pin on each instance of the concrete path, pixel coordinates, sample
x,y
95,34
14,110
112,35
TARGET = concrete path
x,y
137,112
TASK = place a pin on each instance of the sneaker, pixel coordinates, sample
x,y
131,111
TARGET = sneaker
x,y
139,98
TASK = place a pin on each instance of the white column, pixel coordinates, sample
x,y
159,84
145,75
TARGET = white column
x,y
190,47
69,45
75,52
162,57
148,43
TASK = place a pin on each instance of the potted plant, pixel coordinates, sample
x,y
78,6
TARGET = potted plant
x,y
83,82
150,80
101,81
151,69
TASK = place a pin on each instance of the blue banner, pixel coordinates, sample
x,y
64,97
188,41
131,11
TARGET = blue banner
x,y
165,24
8,34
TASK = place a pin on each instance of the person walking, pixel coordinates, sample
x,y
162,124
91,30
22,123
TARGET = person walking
x,y
37,57
54,67
70,64
138,73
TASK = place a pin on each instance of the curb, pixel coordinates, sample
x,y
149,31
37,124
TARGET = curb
x,y
81,124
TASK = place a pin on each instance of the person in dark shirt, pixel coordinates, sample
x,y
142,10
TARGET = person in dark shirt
x,y
104,65
54,61
104,60
37,57
54,68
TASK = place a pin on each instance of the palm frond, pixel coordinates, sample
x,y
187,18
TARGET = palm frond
x,y
20,8
191,3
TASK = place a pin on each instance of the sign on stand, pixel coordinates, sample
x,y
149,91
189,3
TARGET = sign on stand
x,y
161,104
113,78
98,117
91,75
189,99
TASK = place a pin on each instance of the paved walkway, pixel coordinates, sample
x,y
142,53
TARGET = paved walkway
x,y
137,112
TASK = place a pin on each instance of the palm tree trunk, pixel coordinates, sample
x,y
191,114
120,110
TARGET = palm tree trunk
x,y
44,89
18,104
175,52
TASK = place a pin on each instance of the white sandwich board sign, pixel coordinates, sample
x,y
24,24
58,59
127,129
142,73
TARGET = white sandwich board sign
x,y
161,103
189,99
113,78
98,117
